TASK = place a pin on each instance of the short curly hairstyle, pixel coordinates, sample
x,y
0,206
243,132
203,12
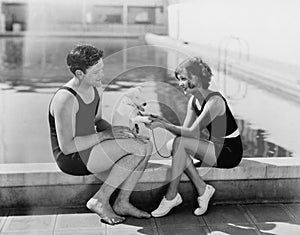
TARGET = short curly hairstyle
x,y
196,66
82,57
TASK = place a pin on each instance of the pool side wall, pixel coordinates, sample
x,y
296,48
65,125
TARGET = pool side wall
x,y
254,180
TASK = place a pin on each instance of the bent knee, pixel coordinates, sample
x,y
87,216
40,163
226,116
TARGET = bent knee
x,y
178,141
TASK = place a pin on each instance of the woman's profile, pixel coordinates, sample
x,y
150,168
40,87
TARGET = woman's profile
x,y
221,147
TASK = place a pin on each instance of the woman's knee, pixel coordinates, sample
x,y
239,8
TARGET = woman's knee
x,y
177,143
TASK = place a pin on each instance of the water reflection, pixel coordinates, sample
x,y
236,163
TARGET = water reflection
x,y
12,54
255,142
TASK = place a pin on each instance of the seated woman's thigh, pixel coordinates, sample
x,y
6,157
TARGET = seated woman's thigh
x,y
200,149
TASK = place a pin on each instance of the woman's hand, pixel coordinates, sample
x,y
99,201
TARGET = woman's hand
x,y
156,121
157,118
154,124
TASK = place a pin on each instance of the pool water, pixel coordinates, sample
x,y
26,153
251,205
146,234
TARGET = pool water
x,y
31,69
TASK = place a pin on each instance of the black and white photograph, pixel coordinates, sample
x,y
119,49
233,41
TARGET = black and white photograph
x,y
149,117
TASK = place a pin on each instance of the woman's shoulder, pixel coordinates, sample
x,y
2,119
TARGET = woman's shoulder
x,y
215,96
217,102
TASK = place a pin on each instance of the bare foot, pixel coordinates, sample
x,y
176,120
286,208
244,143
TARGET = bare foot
x,y
125,208
105,212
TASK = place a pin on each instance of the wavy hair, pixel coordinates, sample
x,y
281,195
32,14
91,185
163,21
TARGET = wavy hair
x,y
197,67
82,57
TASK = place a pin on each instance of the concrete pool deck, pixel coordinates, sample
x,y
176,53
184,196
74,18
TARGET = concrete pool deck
x,y
236,219
40,199
255,180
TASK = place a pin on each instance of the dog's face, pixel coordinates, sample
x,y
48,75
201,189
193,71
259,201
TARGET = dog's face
x,y
135,96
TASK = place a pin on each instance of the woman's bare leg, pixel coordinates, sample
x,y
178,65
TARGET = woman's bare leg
x,y
193,175
204,151
190,170
123,156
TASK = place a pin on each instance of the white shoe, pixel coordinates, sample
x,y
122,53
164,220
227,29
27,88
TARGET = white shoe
x,y
166,205
204,200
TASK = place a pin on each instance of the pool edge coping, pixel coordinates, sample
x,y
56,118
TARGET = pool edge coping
x,y
36,174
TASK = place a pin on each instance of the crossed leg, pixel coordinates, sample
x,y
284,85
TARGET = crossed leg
x,y
181,162
127,159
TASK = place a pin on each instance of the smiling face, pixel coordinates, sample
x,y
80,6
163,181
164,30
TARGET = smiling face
x,y
185,80
94,74
193,73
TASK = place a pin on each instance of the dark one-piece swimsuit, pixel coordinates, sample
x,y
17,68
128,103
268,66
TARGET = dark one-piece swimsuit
x,y
75,163
229,150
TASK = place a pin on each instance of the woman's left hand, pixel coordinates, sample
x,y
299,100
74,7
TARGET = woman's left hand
x,y
156,121
156,118
154,125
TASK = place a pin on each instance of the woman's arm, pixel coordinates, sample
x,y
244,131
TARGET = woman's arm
x,y
176,130
214,107
190,114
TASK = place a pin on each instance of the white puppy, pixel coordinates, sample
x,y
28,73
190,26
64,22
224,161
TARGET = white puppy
x,y
128,110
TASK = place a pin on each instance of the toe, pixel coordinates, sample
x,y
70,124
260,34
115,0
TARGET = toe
x,y
118,220
107,221
145,215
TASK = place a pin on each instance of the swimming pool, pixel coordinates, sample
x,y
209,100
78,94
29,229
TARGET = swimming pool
x,y
31,69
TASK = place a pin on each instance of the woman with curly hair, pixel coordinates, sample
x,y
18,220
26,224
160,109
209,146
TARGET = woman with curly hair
x,y
222,146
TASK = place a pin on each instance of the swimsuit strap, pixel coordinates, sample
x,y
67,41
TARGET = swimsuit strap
x,y
204,101
78,96
68,89
215,93
73,92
